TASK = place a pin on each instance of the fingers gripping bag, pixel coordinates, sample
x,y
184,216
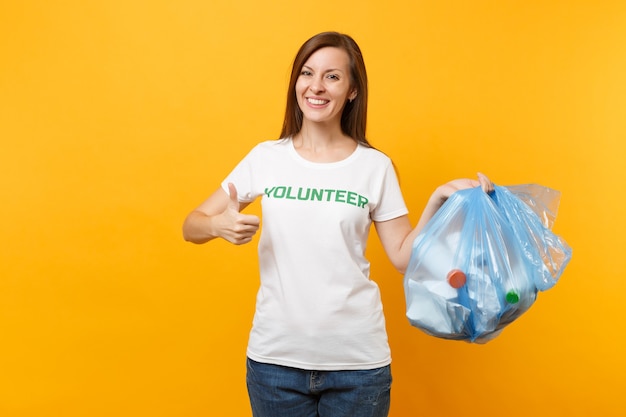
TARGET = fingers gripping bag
x,y
480,261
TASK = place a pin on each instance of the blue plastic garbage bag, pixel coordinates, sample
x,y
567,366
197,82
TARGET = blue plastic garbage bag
x,y
480,261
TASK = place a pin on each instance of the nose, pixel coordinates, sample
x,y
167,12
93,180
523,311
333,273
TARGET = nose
x,y
317,85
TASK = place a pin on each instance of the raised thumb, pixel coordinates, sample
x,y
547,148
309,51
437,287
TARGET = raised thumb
x,y
233,202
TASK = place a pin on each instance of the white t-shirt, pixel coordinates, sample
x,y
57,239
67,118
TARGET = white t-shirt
x,y
317,307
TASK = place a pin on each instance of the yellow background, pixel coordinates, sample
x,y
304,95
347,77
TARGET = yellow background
x,y
118,117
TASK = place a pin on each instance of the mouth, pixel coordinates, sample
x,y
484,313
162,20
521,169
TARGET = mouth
x,y
316,102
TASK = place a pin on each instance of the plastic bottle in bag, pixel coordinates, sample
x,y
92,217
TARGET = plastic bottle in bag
x,y
433,300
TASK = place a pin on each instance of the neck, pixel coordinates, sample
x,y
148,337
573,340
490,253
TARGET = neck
x,y
320,135
321,144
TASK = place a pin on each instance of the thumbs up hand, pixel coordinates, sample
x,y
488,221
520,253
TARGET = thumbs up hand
x,y
234,226
233,201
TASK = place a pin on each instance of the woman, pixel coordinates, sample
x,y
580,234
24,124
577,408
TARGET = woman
x,y
318,345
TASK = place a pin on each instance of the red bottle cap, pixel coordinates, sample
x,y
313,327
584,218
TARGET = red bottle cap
x,y
456,278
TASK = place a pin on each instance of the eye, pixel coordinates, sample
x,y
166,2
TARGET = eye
x,y
333,76
306,73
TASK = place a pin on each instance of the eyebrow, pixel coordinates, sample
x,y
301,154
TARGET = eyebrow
x,y
328,70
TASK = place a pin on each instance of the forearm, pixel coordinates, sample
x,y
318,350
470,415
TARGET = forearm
x,y
198,228
219,217
434,203
397,236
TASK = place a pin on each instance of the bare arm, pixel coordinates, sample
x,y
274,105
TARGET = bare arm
x,y
397,235
219,217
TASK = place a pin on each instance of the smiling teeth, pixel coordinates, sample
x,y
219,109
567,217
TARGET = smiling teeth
x,y
318,102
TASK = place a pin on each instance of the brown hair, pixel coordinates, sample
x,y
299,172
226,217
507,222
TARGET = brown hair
x,y
354,116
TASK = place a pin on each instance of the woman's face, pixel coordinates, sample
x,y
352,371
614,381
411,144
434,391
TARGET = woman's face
x,y
323,86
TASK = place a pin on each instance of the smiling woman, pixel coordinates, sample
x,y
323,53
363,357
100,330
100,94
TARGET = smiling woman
x,y
324,85
349,60
323,89
319,316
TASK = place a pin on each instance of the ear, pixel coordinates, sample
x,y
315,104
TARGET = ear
x,y
352,95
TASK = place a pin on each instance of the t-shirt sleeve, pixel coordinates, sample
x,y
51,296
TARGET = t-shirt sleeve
x,y
241,177
391,202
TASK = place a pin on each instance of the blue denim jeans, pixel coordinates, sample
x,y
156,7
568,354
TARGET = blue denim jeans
x,y
280,391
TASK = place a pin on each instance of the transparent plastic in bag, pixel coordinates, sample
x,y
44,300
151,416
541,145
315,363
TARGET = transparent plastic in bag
x,y
480,261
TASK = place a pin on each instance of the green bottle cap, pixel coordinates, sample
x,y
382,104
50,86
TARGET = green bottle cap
x,y
512,297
